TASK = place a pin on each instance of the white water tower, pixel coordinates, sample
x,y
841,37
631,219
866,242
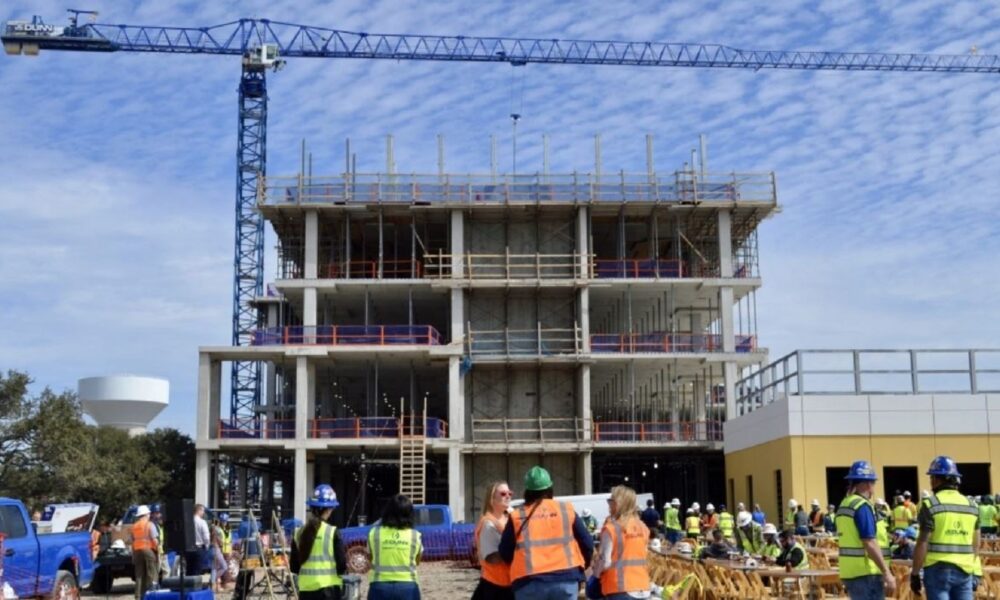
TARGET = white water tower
x,y
127,402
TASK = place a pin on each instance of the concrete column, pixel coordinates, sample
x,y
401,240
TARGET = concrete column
x,y
202,476
457,316
305,396
206,428
584,475
312,245
456,483
309,307
698,393
585,319
726,319
270,372
583,242
729,376
302,489
725,244
456,400
457,244
583,410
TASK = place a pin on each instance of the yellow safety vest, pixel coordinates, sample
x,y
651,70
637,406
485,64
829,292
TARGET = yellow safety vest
x,y
882,535
227,541
900,517
853,560
726,524
693,526
752,542
804,563
987,516
790,518
320,569
672,518
771,550
394,553
955,520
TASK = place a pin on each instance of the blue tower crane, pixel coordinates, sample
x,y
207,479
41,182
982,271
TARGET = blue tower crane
x,y
263,45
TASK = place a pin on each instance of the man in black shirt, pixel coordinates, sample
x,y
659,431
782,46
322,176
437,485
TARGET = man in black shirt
x,y
719,548
651,518
792,553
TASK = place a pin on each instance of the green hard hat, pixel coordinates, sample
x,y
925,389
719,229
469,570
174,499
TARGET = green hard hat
x,y
537,479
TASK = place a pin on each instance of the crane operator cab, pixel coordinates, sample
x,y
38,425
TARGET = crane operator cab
x,y
263,57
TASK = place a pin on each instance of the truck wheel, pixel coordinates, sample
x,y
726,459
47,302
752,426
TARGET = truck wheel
x,y
102,581
357,560
65,587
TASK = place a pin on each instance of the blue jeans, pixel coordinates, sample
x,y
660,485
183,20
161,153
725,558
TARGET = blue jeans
x,y
674,535
548,590
393,590
869,587
801,531
943,581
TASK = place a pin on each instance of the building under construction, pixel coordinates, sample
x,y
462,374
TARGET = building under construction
x,y
431,333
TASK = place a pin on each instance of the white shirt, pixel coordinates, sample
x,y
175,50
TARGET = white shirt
x,y
201,536
489,540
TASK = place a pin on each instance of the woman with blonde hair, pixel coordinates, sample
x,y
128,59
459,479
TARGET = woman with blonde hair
x,y
494,582
621,565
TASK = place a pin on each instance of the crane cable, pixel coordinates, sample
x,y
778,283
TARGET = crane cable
x,y
516,109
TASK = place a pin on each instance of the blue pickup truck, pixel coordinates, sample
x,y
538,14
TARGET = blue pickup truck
x,y
441,537
54,565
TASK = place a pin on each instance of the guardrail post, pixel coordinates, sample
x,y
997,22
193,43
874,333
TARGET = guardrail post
x,y
799,389
914,379
856,356
973,383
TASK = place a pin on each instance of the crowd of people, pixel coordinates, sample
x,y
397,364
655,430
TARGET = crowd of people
x,y
544,549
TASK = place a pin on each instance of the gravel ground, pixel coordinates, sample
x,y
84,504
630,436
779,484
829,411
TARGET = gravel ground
x,y
438,581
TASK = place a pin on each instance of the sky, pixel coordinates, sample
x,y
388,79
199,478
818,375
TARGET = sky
x,y
117,184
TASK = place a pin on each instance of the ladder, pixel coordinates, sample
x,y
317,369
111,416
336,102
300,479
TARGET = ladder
x,y
413,457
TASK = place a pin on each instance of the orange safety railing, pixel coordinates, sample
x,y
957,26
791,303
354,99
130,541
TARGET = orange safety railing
x,y
374,427
607,268
630,343
657,431
346,335
256,428
368,269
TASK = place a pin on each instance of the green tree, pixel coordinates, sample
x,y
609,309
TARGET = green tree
x,y
173,453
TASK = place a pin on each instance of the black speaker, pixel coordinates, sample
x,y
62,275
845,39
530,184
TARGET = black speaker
x,y
179,526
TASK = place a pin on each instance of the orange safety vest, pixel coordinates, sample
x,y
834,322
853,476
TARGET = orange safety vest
x,y
495,573
545,541
141,538
627,571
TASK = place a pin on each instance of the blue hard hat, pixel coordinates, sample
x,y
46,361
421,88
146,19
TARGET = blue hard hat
x,y
323,497
910,532
943,466
155,507
224,517
861,470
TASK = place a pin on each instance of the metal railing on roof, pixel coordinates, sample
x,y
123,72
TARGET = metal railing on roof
x,y
472,189
818,372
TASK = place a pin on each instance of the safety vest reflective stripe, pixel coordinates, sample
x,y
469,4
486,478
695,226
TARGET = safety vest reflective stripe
x,y
394,571
854,561
544,541
955,526
142,538
495,573
627,571
319,571
751,542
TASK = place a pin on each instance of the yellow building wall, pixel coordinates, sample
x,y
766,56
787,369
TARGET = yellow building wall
x,y
803,462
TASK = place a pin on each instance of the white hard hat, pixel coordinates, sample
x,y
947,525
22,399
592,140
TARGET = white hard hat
x,y
585,512
695,505
880,502
675,502
690,511
792,503
141,511
709,507
769,529
684,548
743,518
118,545
815,502
655,545
666,505
925,494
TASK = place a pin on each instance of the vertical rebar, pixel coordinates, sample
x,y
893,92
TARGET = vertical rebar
x,y
703,155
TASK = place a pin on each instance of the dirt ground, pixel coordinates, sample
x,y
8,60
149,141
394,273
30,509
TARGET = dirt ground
x,y
438,581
